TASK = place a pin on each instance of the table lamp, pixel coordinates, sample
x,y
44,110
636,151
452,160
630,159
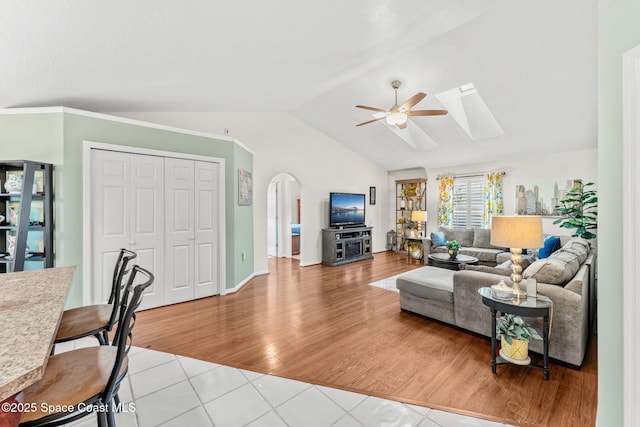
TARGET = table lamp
x,y
517,232
419,217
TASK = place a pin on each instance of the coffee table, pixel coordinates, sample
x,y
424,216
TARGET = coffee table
x,y
443,260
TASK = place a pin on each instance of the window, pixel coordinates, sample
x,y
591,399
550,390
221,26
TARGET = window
x,y
468,202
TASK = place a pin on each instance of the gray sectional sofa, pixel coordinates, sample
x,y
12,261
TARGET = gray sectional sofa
x,y
475,242
567,277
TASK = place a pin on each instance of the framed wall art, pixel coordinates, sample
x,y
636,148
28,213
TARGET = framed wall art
x,y
245,188
541,198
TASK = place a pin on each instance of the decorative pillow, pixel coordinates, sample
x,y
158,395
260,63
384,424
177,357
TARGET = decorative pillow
x,y
579,247
555,270
551,244
437,238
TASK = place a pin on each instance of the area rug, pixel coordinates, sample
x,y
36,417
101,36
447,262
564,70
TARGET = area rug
x,y
389,283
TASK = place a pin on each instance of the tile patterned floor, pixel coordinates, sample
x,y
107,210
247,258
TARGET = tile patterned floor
x,y
169,390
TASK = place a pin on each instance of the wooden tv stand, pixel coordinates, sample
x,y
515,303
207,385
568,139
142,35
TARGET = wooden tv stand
x,y
344,245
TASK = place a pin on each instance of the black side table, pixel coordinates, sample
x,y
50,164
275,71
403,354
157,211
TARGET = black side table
x,y
531,307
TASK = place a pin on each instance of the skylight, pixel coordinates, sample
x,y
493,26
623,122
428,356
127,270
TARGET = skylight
x,y
469,110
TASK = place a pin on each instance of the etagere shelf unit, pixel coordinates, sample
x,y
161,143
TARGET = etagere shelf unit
x,y
411,204
26,211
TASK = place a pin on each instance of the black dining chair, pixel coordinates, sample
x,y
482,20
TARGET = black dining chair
x,y
97,320
85,381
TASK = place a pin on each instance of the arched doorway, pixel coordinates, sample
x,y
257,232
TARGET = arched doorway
x,y
283,217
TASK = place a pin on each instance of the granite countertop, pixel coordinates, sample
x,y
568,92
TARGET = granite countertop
x,y
31,305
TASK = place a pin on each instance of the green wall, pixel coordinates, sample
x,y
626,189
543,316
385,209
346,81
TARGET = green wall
x,y
619,31
242,215
58,138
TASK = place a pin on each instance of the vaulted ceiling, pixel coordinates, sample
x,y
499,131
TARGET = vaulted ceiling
x,y
533,65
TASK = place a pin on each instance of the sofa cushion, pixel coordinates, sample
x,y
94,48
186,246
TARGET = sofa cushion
x,y
525,262
428,282
463,236
482,238
551,244
487,269
483,254
438,239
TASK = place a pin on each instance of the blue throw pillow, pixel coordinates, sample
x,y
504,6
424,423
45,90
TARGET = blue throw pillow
x,y
551,244
438,239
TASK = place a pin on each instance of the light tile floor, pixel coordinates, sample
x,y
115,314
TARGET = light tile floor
x,y
163,389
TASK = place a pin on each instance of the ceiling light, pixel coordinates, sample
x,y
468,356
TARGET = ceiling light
x,y
396,118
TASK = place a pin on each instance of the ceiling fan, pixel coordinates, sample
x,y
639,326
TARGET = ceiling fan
x,y
398,114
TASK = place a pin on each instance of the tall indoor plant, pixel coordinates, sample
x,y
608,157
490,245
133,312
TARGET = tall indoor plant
x,y
579,210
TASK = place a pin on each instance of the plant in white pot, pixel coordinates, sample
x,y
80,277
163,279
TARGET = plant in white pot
x,y
515,334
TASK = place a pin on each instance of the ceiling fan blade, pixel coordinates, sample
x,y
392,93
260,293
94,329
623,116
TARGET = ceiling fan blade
x,y
402,125
371,108
371,121
413,101
427,113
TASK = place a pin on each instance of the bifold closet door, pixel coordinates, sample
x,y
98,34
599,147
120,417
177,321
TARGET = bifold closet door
x,y
179,230
127,208
206,228
191,231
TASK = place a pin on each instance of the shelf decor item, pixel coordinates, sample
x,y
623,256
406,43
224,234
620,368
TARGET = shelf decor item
x,y
419,217
13,183
517,232
515,334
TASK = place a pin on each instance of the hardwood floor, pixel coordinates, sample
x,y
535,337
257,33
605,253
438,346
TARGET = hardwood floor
x,y
326,326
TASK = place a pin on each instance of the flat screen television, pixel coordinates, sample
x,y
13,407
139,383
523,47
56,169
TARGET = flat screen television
x,y
346,209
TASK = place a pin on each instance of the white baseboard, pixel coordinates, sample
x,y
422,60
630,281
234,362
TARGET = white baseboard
x,y
237,287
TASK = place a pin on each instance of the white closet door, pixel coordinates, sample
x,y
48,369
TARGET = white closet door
x,y
128,212
110,208
206,230
179,230
147,222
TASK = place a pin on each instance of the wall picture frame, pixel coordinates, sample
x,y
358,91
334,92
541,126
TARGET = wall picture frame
x,y
372,195
542,197
245,188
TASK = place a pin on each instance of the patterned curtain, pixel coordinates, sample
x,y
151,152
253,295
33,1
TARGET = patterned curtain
x,y
445,206
493,204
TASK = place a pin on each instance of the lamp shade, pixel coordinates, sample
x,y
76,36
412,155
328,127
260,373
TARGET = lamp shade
x,y
418,216
518,231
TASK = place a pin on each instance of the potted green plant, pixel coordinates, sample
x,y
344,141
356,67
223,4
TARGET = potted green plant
x,y
452,248
579,210
515,334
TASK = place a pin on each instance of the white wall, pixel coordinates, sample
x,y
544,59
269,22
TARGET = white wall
x,y
283,143
526,169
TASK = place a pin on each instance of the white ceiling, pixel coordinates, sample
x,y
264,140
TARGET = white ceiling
x,y
533,63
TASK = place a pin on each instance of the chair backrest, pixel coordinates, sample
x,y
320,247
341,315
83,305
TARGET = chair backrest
x,y
127,319
118,283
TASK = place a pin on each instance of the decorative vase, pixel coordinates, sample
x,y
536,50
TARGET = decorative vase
x,y
453,253
516,352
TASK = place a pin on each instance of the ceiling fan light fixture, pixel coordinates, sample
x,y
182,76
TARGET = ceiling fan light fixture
x,y
396,118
